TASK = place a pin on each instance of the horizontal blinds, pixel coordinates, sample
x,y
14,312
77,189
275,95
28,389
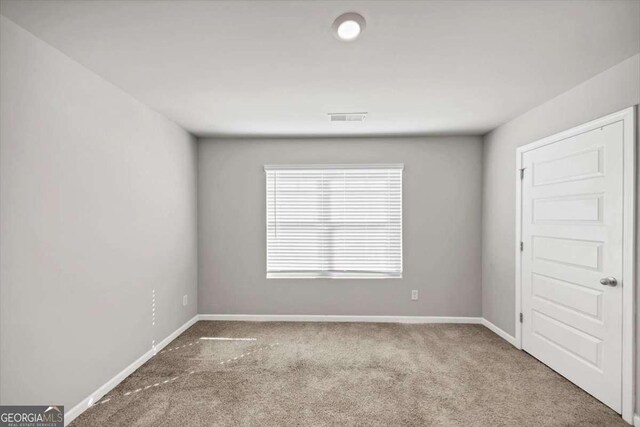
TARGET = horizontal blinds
x,y
334,221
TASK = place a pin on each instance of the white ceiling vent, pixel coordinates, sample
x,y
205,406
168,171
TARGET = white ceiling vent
x,y
347,117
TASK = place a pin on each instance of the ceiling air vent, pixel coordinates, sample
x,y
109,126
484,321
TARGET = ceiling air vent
x,y
347,117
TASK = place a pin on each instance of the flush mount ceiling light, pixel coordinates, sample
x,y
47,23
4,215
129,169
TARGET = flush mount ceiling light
x,y
349,26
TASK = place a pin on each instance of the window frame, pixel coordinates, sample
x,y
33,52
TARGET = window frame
x,y
332,274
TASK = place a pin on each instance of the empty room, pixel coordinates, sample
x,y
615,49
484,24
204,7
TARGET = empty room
x,y
319,213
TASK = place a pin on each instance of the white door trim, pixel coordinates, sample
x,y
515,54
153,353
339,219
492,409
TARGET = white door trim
x,y
628,117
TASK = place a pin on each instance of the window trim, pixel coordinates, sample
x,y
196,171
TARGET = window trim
x,y
331,275
334,274
336,166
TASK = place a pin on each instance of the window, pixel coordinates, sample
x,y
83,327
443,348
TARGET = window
x,y
334,221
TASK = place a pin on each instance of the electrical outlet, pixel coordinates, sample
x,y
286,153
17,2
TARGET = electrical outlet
x,y
414,295
184,300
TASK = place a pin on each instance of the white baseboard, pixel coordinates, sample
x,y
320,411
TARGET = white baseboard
x,y
636,420
502,334
337,318
74,412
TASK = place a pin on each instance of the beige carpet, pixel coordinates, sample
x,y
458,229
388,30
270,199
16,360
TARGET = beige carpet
x,y
345,374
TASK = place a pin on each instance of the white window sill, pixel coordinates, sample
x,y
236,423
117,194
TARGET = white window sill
x,y
331,275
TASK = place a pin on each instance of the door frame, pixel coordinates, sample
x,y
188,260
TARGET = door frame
x,y
628,117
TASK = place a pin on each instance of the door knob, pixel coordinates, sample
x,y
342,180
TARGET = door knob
x,y
608,281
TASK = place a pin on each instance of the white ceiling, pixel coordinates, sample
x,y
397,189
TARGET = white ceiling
x,y
274,67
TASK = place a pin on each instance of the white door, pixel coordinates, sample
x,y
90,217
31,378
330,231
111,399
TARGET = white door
x,y
572,235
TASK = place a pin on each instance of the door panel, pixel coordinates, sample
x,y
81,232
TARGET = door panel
x,y
575,166
580,253
571,340
583,208
572,233
567,296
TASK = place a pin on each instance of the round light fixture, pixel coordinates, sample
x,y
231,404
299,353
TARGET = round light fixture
x,y
349,26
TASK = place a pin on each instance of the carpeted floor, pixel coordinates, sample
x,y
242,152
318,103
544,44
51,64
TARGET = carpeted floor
x,y
345,374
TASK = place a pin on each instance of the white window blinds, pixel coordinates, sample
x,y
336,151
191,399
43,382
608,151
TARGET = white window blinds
x,y
334,221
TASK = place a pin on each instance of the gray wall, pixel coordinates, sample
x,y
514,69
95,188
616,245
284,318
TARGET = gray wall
x,y
441,228
97,208
610,91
